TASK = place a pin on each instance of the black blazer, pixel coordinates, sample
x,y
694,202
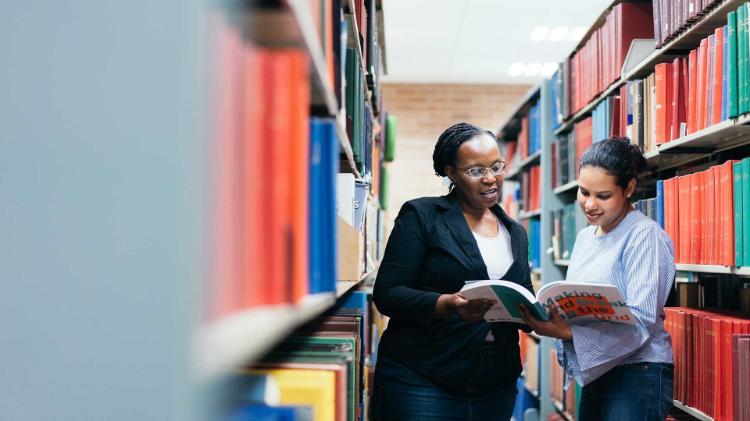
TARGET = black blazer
x,y
431,251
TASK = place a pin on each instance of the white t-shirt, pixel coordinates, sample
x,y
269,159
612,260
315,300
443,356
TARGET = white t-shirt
x,y
497,255
496,252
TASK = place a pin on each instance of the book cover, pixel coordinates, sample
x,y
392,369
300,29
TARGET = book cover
x,y
576,302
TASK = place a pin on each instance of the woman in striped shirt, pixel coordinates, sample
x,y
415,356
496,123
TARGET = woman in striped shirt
x,y
626,370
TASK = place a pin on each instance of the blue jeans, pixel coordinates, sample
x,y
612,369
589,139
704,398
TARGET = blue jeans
x,y
631,392
403,394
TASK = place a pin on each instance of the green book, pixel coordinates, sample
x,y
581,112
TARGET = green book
x,y
741,59
738,215
732,64
384,184
746,205
390,138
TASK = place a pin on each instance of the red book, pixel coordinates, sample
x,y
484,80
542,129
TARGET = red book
x,y
277,70
684,97
674,113
692,94
696,218
709,233
663,98
299,145
701,97
254,267
717,75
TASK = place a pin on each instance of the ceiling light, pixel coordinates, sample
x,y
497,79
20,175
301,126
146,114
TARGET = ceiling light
x,y
559,33
577,33
516,69
549,69
532,69
539,33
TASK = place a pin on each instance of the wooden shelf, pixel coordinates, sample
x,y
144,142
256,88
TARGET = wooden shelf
x,y
562,262
689,39
570,122
532,93
567,187
528,215
527,162
240,338
692,411
725,135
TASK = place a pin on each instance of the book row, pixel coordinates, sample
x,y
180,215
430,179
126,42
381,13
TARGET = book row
x,y
322,371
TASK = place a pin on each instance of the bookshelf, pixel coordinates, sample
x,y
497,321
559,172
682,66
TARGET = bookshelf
x,y
346,152
696,151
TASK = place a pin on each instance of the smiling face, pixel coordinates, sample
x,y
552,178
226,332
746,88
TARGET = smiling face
x,y
480,151
602,201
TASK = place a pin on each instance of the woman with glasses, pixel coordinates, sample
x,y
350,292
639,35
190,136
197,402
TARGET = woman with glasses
x,y
438,358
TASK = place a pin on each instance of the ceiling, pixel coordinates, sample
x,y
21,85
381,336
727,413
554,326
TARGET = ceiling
x,y
477,41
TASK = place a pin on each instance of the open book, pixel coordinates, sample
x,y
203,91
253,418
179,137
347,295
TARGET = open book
x,y
574,301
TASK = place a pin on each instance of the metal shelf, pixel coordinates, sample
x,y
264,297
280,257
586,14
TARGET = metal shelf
x,y
723,270
528,215
692,411
527,162
528,96
567,187
242,337
562,262
725,135
558,406
570,122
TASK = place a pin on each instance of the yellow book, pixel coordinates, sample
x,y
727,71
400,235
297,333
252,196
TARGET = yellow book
x,y
314,388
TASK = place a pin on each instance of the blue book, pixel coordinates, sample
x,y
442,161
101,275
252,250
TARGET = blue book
x,y
660,203
261,412
322,212
724,76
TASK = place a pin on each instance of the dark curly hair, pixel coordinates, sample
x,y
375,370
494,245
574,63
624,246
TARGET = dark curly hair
x,y
449,142
618,157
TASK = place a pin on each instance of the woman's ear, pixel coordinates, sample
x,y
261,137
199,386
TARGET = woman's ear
x,y
450,172
630,189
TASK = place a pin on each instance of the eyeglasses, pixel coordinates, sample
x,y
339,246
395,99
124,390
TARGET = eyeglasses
x,y
480,172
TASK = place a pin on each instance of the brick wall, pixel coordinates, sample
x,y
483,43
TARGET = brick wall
x,y
423,112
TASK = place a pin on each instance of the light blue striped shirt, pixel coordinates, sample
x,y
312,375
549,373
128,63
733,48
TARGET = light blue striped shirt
x,y
638,258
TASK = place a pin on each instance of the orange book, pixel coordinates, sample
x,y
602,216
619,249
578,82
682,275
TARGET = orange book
x,y
717,82
225,276
700,95
277,68
684,218
707,82
299,158
718,229
255,267
692,102
674,103
662,96
696,218
710,200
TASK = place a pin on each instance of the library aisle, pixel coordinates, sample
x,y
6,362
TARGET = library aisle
x,y
197,195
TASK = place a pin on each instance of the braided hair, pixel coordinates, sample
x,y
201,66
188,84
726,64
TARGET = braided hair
x,y
618,157
448,143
